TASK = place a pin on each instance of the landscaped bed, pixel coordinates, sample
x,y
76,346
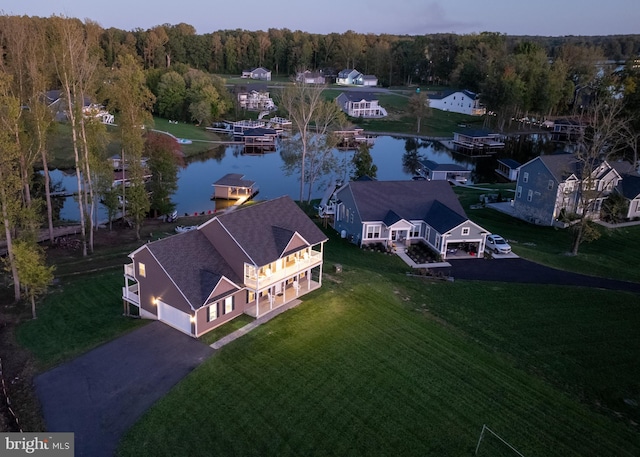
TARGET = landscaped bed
x,y
420,253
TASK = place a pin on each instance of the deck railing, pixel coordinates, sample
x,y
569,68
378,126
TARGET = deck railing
x,y
289,270
131,294
129,270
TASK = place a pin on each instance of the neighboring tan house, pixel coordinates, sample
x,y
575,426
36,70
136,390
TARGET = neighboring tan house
x,y
360,104
548,187
629,187
249,260
406,212
352,77
311,77
460,101
259,73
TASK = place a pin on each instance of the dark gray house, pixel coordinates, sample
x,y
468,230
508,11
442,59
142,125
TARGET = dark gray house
x,y
250,260
548,186
406,212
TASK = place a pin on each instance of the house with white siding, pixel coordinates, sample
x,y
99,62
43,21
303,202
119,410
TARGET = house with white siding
x,y
360,104
457,101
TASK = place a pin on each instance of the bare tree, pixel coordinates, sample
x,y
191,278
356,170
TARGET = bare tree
x,y
311,116
600,140
39,115
75,62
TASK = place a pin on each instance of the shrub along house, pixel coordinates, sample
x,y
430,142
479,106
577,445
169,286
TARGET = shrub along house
x,y
407,212
250,260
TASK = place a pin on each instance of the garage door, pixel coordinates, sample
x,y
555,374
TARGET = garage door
x,y
174,317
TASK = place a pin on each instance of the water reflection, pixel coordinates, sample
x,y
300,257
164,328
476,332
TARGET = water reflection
x,y
395,158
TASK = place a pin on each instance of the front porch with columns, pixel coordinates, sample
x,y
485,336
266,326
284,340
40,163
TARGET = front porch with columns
x,y
281,293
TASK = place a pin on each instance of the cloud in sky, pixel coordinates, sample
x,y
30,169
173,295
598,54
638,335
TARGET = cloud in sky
x,y
513,17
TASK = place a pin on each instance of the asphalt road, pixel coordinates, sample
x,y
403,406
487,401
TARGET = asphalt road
x,y
526,272
102,393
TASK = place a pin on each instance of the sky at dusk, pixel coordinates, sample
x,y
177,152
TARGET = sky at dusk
x,y
411,17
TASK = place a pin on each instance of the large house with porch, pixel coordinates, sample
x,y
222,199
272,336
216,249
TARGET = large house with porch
x,y
250,260
406,212
360,104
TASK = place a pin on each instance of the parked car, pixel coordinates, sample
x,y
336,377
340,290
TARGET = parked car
x,y
498,244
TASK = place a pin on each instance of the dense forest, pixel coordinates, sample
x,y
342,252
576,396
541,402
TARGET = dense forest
x,y
395,59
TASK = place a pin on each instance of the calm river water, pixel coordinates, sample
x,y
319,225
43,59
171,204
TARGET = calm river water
x,y
196,179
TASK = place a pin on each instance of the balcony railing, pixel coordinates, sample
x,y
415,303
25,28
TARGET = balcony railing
x,y
129,270
290,269
131,294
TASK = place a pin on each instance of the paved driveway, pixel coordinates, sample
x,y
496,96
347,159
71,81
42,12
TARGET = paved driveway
x,y
102,393
523,271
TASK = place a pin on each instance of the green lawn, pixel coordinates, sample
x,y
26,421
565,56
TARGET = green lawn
x,y
79,314
379,364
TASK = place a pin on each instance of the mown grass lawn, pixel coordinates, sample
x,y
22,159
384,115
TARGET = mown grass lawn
x,y
378,363
80,313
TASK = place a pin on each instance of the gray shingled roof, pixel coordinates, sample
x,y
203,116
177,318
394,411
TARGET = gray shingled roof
x,y
446,93
431,201
193,264
475,133
358,96
442,218
630,186
513,164
434,166
261,229
235,180
561,166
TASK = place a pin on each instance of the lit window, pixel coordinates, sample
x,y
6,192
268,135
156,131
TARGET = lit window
x,y
228,305
142,271
213,312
